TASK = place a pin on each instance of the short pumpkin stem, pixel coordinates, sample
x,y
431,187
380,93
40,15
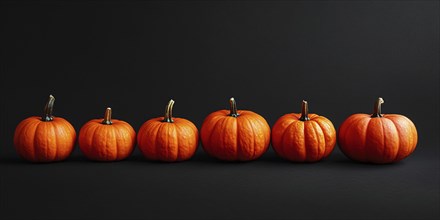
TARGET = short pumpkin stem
x,y
169,112
233,108
377,108
304,111
107,117
48,109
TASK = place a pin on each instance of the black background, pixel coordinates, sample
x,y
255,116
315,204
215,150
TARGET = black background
x,y
136,55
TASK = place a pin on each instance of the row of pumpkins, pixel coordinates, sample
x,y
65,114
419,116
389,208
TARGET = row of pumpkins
x,y
231,135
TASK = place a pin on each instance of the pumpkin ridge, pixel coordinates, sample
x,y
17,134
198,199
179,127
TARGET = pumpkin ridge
x,y
55,134
18,140
36,142
308,125
212,133
398,135
141,133
283,137
141,138
254,143
158,127
347,131
364,155
107,141
167,141
185,129
400,142
311,131
317,136
33,132
106,145
273,140
118,137
264,124
58,141
81,138
156,145
177,142
367,154
412,136
328,131
95,142
305,141
237,138
89,140
324,125
40,128
64,130
49,141
132,135
384,140
224,128
115,142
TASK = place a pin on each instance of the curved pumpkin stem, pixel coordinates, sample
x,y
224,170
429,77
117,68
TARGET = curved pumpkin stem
x,y
169,112
377,108
107,117
304,111
48,109
233,108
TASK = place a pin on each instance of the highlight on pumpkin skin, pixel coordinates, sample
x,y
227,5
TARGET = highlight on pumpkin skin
x,y
168,139
303,137
233,135
44,138
107,139
377,138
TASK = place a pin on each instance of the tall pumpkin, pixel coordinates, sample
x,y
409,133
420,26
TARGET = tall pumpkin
x,y
44,139
377,138
168,138
303,137
235,135
107,139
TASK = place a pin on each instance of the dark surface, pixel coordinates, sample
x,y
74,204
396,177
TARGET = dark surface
x,y
135,56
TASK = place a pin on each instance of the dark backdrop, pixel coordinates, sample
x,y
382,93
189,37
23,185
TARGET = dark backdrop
x,y
136,55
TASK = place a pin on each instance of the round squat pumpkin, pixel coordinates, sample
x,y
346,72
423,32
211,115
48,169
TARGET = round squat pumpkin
x,y
44,139
235,135
168,139
107,139
303,137
377,138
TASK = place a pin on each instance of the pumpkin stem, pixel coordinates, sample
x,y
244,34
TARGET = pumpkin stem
x,y
169,112
233,108
304,111
377,108
48,109
107,117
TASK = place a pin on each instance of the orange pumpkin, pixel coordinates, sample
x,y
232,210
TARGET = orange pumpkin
x,y
303,137
168,139
107,139
377,138
235,135
44,139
